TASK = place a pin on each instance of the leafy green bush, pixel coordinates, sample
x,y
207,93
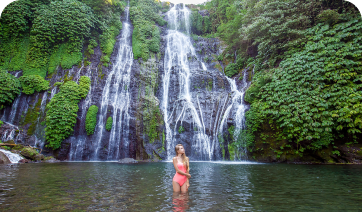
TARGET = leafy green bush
x,y
84,84
199,25
38,36
109,123
62,111
146,35
32,83
73,30
181,129
14,19
1,123
252,93
315,95
196,22
10,88
265,29
91,119
231,69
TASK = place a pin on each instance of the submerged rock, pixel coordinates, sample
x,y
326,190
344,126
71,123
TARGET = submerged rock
x,y
127,160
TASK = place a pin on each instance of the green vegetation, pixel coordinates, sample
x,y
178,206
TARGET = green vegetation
x,y
314,101
10,88
32,83
199,25
231,69
181,129
154,119
31,116
1,123
38,36
307,65
146,35
62,111
109,123
91,119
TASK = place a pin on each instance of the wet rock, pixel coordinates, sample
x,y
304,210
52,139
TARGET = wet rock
x,y
23,161
9,142
204,13
51,160
4,159
39,157
128,160
29,153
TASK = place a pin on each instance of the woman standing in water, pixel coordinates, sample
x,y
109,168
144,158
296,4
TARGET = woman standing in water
x,y
181,163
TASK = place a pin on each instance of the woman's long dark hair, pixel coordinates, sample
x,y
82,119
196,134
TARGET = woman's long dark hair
x,y
185,160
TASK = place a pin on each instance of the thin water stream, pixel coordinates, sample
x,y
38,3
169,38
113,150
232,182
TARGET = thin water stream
x,y
214,186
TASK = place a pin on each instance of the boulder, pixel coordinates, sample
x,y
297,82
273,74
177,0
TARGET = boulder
x,y
29,153
9,142
4,159
128,160
51,160
23,161
39,157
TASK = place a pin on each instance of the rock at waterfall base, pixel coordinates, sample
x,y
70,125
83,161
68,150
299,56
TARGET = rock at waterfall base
x,y
128,160
23,161
51,160
4,159
29,153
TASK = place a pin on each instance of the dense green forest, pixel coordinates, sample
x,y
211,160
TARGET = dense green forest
x,y
306,60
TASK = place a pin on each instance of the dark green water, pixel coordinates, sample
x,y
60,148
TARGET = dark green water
x,y
111,186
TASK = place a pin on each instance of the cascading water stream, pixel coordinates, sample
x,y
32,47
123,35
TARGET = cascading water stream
x,y
116,97
239,109
14,158
178,46
76,150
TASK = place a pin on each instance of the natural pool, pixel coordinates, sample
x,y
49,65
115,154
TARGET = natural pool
x,y
109,186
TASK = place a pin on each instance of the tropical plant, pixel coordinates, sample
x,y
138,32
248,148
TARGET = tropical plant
x,y
316,94
91,119
62,111
146,35
10,88
32,83
109,123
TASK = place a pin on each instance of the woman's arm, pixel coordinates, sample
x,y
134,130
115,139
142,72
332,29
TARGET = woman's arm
x,y
177,169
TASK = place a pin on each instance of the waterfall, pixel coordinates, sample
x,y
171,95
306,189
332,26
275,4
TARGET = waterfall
x,y
116,98
78,142
239,107
178,47
14,158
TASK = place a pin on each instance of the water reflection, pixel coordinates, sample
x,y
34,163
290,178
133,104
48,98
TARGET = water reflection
x,y
180,201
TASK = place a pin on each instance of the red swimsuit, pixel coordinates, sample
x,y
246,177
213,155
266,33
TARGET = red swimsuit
x,y
179,178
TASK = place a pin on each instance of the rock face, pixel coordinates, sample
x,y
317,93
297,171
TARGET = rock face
x,y
4,159
133,93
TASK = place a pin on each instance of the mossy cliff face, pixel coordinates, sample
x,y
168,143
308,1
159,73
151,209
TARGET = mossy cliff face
x,y
148,120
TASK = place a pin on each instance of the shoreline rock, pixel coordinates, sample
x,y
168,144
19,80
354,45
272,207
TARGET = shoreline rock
x,y
127,160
